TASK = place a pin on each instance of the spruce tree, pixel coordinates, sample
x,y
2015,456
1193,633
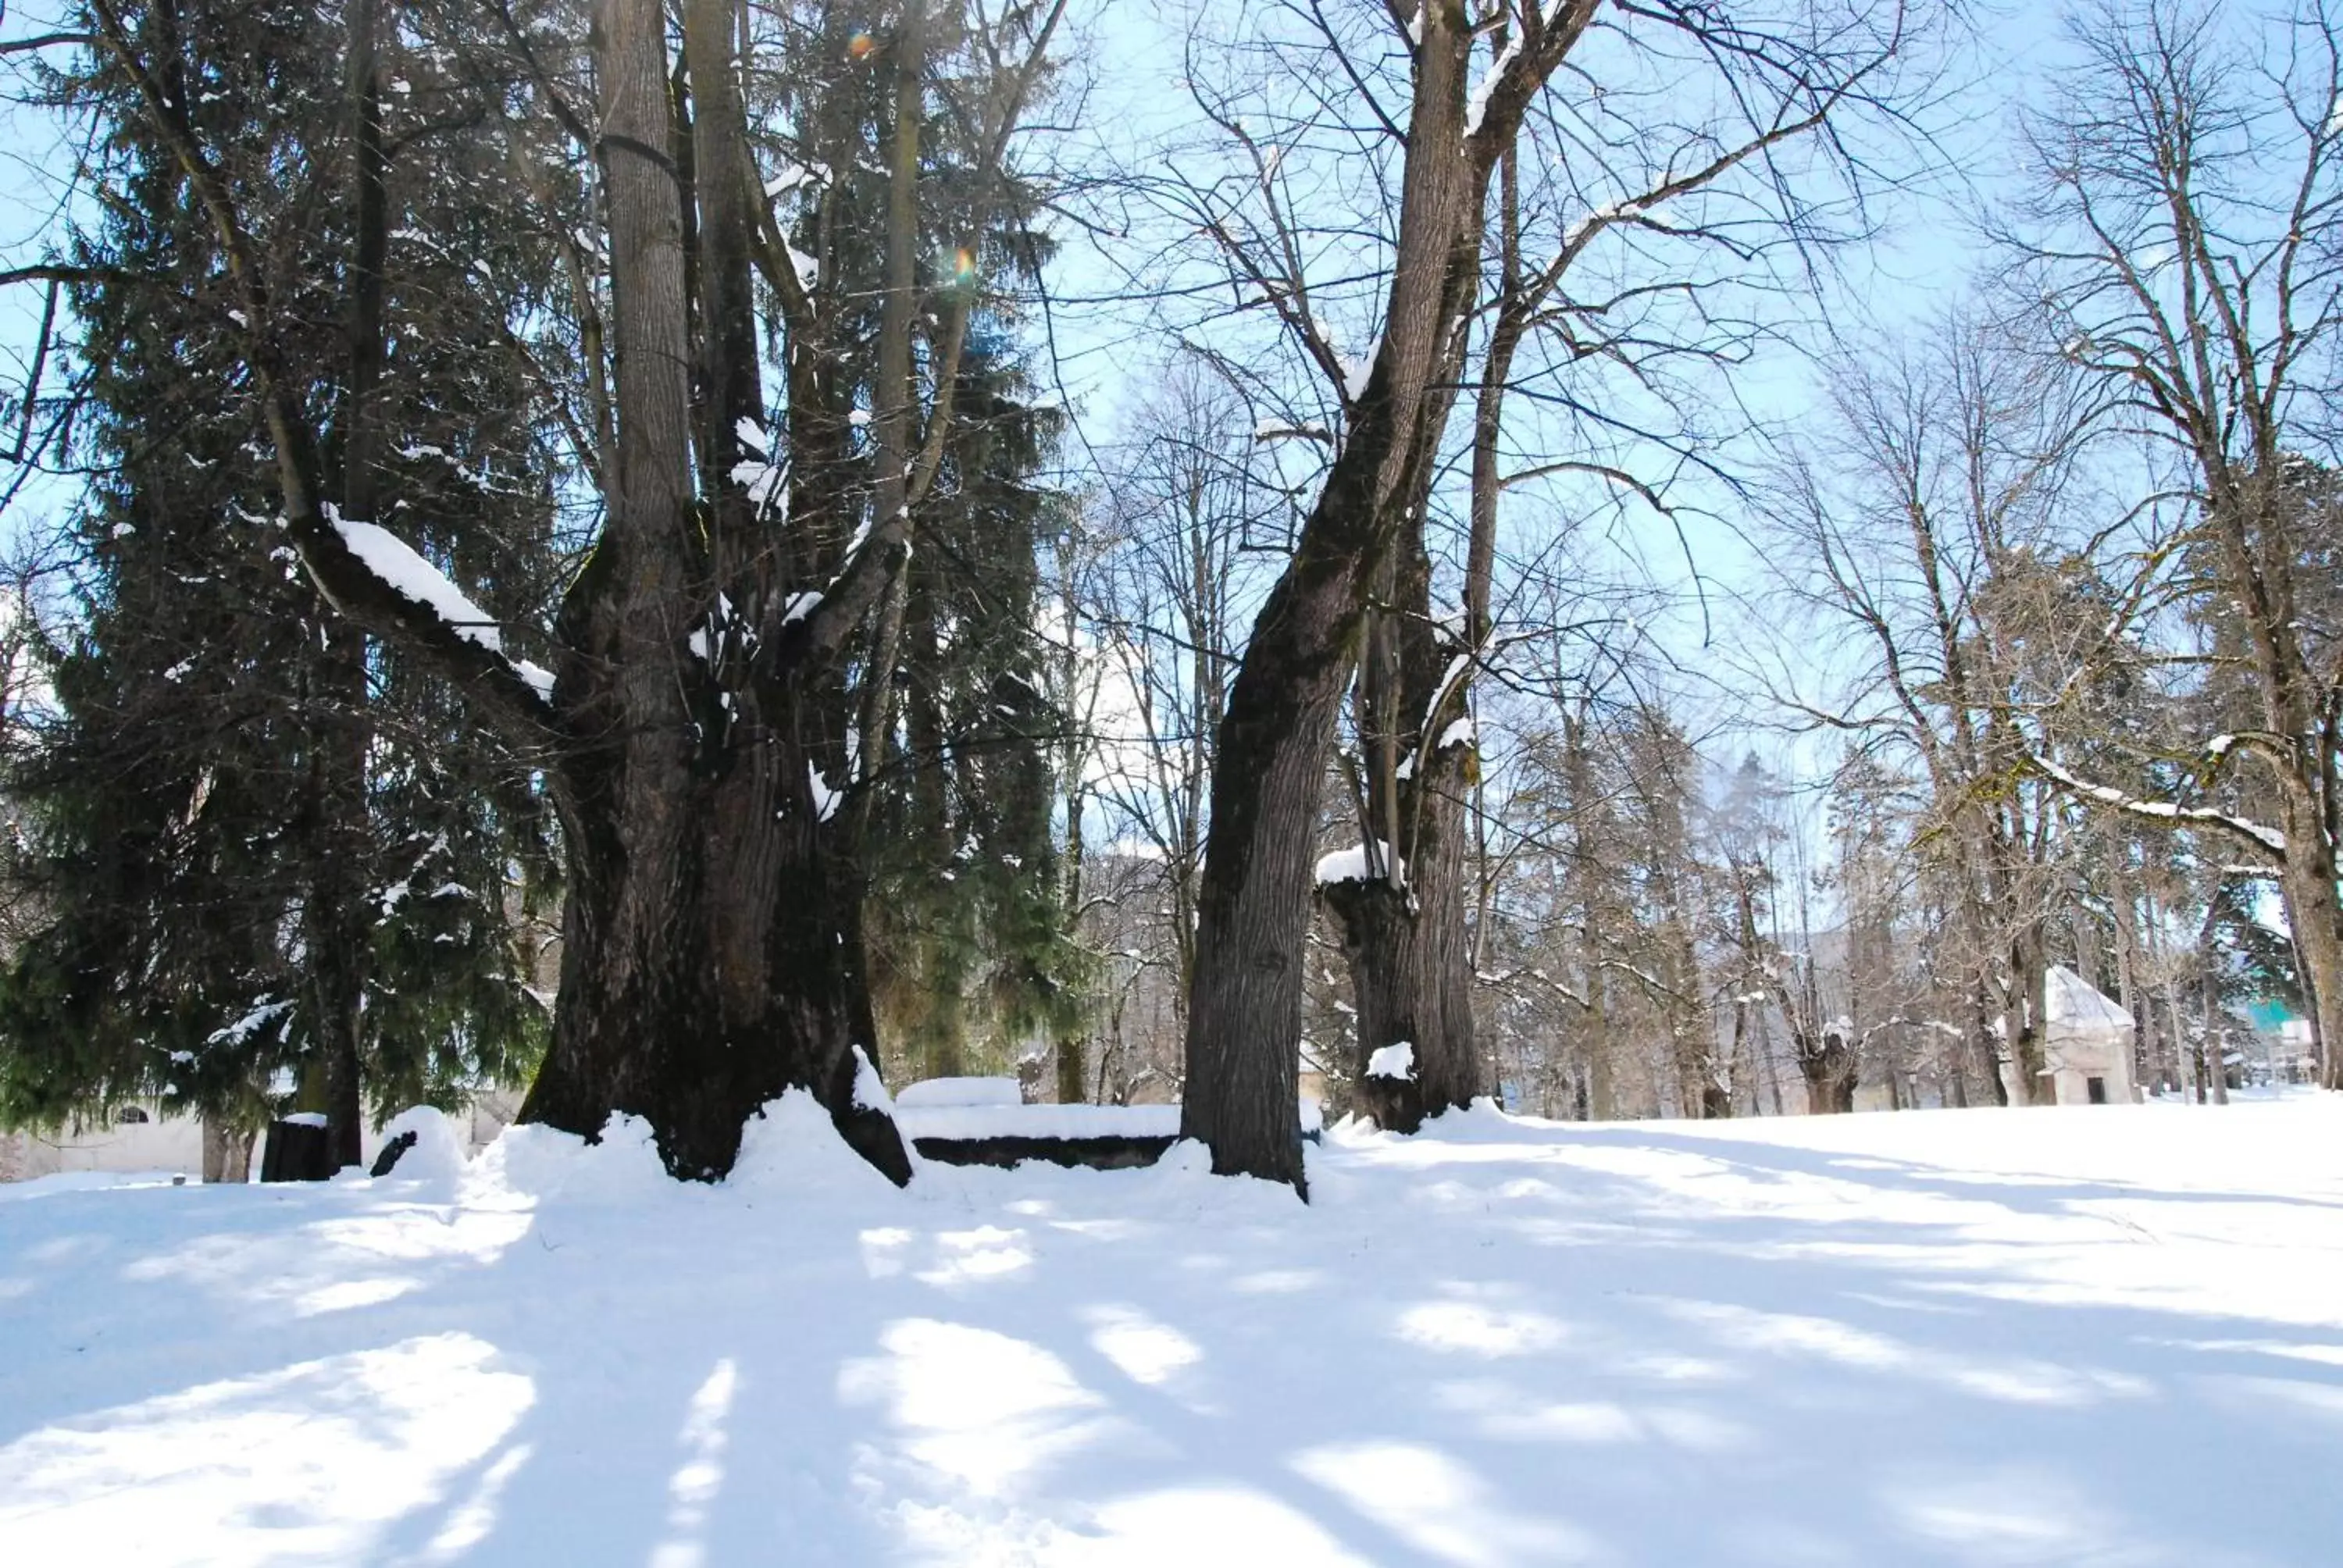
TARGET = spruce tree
x,y
267,852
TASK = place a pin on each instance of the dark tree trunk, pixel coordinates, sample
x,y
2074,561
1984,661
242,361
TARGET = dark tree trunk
x,y
712,944
338,912
1411,979
2317,922
1244,1014
1403,926
698,987
2021,1019
1981,1040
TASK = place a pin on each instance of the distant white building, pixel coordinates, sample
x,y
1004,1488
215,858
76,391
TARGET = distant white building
x,y
141,1137
2086,1043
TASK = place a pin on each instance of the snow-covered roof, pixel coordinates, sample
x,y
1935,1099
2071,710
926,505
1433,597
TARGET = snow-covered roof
x,y
2072,1005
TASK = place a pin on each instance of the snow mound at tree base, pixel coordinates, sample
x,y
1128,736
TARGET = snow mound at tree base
x,y
790,1149
531,1161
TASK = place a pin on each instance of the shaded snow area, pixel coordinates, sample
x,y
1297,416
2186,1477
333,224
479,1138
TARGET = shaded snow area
x,y
2109,1336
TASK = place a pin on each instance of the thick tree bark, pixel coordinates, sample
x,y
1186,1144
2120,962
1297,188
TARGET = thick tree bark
x,y
711,948
1244,1015
1410,975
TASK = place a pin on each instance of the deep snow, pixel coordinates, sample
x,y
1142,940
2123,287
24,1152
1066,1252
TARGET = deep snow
x,y
2090,1336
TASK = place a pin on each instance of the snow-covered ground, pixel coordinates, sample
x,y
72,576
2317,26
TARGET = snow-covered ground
x,y
2107,1336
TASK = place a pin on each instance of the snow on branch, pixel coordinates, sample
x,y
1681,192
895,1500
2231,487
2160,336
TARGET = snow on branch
x,y
2269,839
409,574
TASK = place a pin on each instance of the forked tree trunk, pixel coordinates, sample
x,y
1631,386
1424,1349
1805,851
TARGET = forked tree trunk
x,y
1402,923
1829,1072
712,943
1244,1016
712,938
1405,942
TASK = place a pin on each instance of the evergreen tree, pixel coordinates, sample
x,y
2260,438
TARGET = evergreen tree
x,y
267,852
964,906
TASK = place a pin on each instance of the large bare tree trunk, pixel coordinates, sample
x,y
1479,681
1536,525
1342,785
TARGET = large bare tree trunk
x,y
711,947
1244,1015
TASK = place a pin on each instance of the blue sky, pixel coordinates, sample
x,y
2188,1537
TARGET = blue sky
x,y
1132,58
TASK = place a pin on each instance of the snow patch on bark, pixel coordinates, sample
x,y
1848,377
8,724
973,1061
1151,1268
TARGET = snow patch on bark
x,y
869,1089
1393,1061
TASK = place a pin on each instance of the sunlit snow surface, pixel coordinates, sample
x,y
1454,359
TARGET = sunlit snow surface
x,y
2105,1336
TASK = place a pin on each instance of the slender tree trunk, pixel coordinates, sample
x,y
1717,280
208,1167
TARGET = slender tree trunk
x,y
1601,1073
2317,922
2021,1018
336,914
723,241
1980,1041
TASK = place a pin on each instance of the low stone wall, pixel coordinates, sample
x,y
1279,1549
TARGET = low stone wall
x,y
1109,1153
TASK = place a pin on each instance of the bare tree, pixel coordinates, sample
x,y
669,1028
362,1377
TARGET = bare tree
x,y
1434,138
2183,241
1946,474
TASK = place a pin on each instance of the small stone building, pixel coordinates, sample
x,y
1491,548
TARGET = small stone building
x,y
2087,1040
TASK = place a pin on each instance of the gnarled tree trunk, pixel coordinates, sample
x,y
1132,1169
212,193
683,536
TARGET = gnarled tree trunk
x,y
712,944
